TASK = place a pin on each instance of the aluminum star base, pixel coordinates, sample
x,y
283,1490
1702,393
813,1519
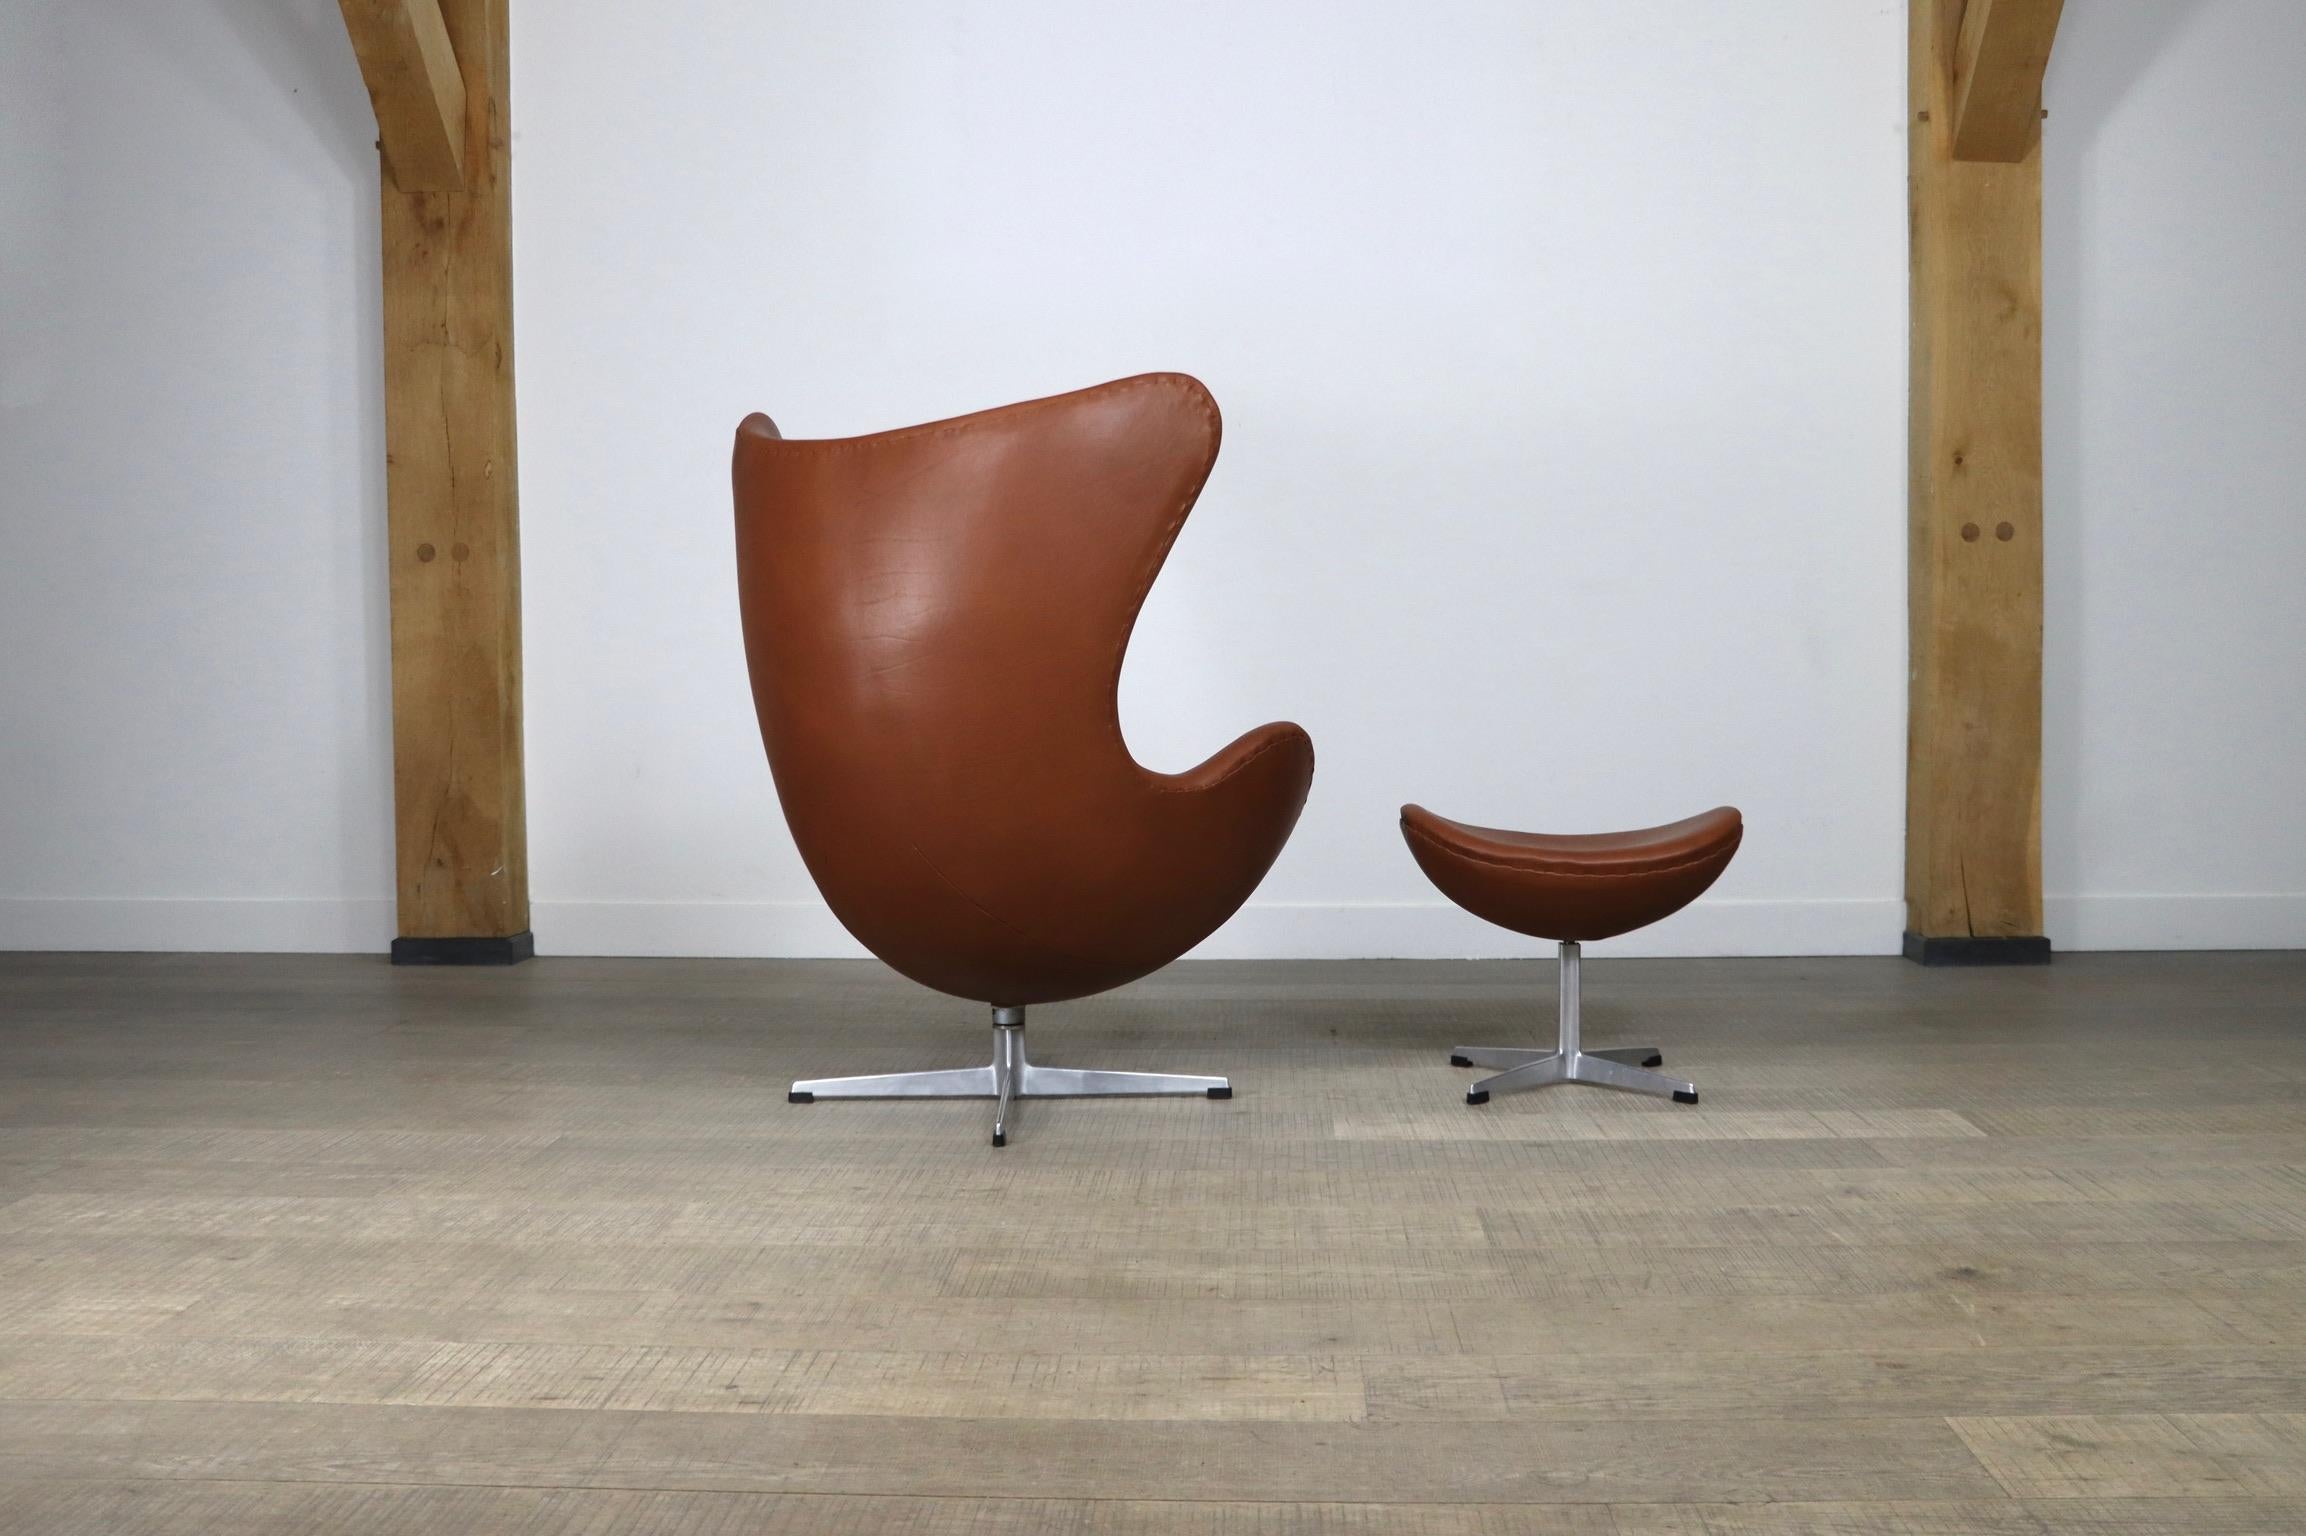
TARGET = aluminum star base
x,y
1008,1078
1619,1067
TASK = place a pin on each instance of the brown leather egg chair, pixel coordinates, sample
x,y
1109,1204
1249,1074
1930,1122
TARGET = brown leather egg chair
x,y
934,621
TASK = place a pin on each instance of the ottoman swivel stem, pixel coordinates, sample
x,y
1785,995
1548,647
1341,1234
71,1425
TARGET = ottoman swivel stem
x,y
1568,1062
1566,1008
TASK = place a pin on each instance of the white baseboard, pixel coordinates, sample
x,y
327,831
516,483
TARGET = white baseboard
x,y
781,930
1261,930
2272,921
1276,930
276,925
1436,930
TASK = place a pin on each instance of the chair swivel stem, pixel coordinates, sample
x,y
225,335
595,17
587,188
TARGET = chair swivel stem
x,y
1568,1007
1008,1066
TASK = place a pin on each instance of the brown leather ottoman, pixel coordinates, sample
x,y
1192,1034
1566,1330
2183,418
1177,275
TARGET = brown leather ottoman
x,y
1572,888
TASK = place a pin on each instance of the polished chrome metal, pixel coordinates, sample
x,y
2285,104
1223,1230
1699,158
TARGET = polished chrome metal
x,y
1565,995
1008,1054
1497,1058
1008,1078
1502,1057
1631,1055
1621,1066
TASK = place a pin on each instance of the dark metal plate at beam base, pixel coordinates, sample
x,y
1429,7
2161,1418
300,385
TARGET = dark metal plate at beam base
x,y
509,949
2031,949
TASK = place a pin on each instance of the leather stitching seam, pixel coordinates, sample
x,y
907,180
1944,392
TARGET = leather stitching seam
x,y
970,423
1565,874
1231,773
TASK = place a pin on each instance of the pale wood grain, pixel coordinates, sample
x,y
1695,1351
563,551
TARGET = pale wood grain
x,y
1532,1463
418,91
1682,1324
453,509
1999,59
302,1244
2170,1517
2142,1455
291,1509
686,1379
1974,737
1833,1384
1867,1518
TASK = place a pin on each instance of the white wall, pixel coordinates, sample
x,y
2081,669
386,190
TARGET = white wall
x,y
1561,350
2174,379
194,719
1562,355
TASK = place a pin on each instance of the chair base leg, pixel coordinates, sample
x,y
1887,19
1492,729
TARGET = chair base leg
x,y
1622,1066
1008,1078
1502,1057
1599,1068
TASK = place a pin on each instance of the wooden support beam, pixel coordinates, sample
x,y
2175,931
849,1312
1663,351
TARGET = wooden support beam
x,y
1974,748
454,510
413,80
1999,57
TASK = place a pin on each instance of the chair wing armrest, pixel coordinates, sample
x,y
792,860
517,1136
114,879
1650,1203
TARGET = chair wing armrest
x,y
1275,756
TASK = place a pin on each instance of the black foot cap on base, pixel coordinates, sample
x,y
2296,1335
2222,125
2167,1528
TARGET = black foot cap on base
x,y
504,949
1653,1061
1459,1061
1225,1092
800,1098
2031,949
1000,1140
1477,1096
1680,1097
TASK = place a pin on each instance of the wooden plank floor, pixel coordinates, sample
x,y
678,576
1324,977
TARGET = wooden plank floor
x,y
295,1244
